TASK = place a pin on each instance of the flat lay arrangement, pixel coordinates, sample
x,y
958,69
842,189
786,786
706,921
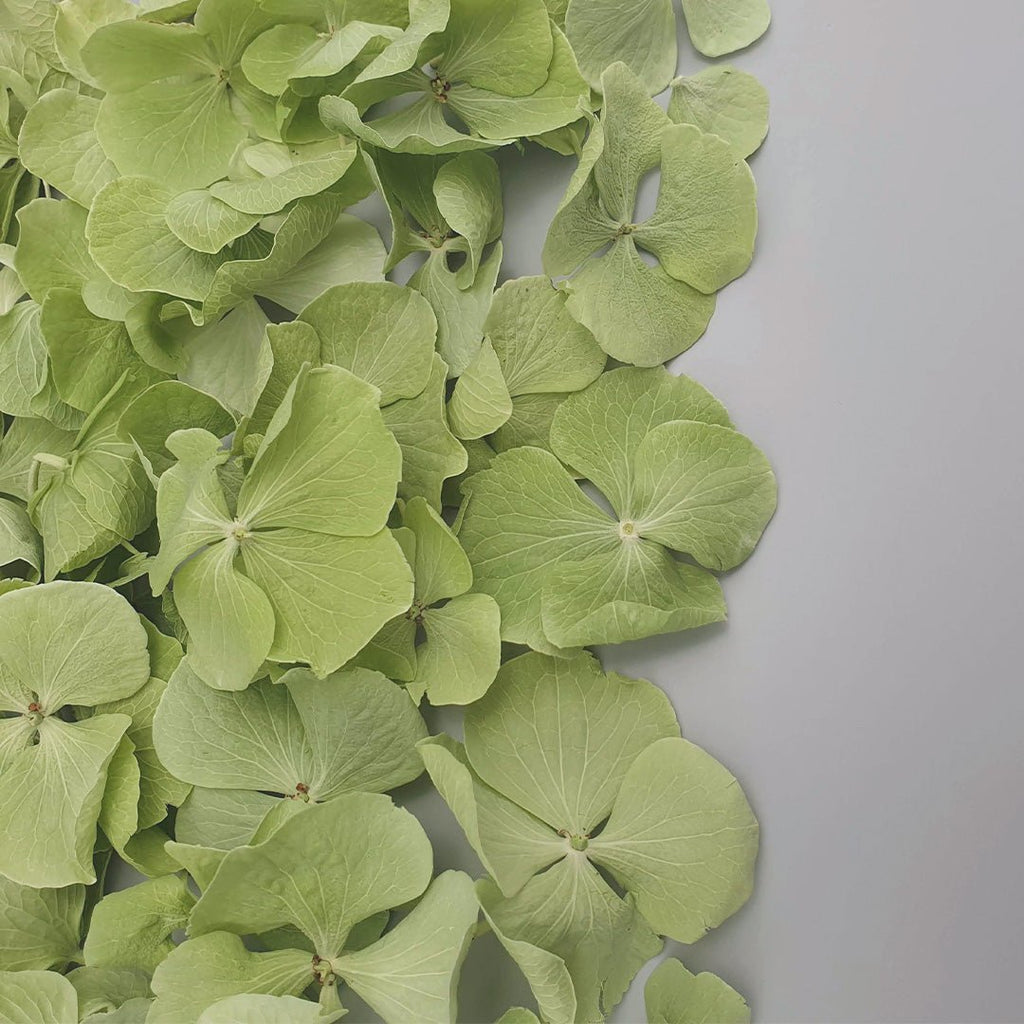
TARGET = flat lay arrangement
x,y
261,506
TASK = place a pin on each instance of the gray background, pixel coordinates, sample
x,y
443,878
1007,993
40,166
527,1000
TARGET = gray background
x,y
867,690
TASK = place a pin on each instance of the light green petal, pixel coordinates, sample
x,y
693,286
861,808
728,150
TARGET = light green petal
x,y
572,912
512,844
332,866
230,358
718,27
119,812
705,221
633,125
558,102
211,967
19,542
308,224
480,402
129,54
412,973
468,194
37,997
205,223
598,431
171,405
529,426
264,1009
425,18
104,989
52,250
69,643
460,312
462,651
431,453
76,21
503,46
642,35
704,490
524,514
392,651
24,438
23,359
88,355
285,173
638,314
298,480
381,332
439,563
519,1014
329,594
39,928
673,995
540,346
129,238
65,773
352,251
230,621
557,736
132,928
221,819
682,839
639,591
58,143
723,101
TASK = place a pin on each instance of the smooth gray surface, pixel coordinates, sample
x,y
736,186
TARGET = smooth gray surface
x,y
867,690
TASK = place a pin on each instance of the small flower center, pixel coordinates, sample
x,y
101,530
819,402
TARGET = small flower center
x,y
239,531
627,530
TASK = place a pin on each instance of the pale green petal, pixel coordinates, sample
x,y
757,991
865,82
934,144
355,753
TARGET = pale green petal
x,y
523,514
221,819
559,101
723,101
37,997
132,928
297,479
718,27
598,431
519,1014
392,651
39,928
88,354
682,839
23,359
105,989
704,490
412,973
503,46
529,426
547,974
431,453
512,844
205,223
206,969
286,173
425,18
129,238
230,358
460,656
642,35
705,221
352,251
572,912
119,812
264,1009
329,594
439,563
540,346
25,437
468,194
460,312
19,543
335,864
637,312
58,143
557,736
76,21
69,643
65,773
673,995
229,619
381,332
639,591
52,250
480,402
